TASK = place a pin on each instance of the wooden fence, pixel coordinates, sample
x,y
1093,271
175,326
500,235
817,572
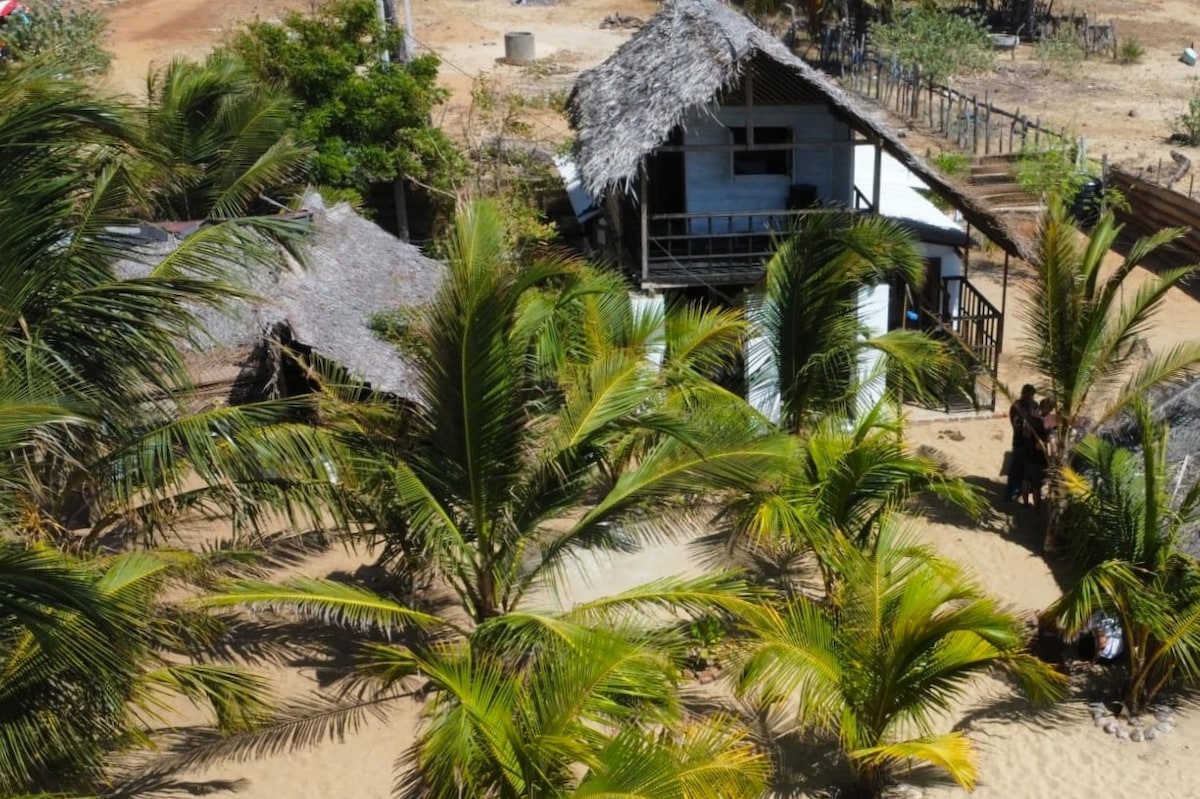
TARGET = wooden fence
x,y
975,126
1152,208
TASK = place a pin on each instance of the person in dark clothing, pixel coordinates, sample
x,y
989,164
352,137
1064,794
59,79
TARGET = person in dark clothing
x,y
1033,474
1018,416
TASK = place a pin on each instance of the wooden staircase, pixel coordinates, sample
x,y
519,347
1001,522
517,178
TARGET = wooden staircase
x,y
994,178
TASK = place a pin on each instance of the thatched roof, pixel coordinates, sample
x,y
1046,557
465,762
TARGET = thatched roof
x,y
683,59
355,269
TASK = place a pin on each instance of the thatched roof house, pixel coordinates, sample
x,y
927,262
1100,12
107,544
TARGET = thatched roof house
x,y
693,55
355,270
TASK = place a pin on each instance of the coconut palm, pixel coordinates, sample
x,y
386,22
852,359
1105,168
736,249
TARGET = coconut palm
x,y
1127,532
90,651
510,464
842,485
106,344
1085,323
809,315
526,703
902,637
217,140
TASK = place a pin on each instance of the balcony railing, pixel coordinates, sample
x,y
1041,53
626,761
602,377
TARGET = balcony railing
x,y
716,248
966,317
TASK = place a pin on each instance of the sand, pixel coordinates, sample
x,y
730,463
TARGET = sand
x,y
1021,755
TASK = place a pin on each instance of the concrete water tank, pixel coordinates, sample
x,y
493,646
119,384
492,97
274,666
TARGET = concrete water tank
x,y
518,47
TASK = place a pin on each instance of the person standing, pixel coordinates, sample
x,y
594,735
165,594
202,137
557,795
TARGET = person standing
x,y
1019,414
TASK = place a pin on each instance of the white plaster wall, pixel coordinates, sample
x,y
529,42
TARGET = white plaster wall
x,y
712,187
873,305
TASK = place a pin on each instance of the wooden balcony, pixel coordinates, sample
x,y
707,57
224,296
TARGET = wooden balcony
x,y
714,248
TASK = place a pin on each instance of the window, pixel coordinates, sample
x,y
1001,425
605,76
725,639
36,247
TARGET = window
x,y
775,161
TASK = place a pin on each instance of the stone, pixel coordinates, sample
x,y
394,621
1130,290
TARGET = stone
x,y
1121,733
1150,734
1101,721
1112,727
1164,727
1135,735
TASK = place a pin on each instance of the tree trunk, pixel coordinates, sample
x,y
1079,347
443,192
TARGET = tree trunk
x,y
399,196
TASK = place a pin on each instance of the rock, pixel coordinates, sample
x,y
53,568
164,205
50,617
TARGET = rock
x,y
620,22
1164,727
1150,734
1133,112
1121,733
1101,721
1163,713
1112,727
1135,735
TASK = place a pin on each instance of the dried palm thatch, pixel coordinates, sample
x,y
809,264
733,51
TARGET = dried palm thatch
x,y
355,269
685,58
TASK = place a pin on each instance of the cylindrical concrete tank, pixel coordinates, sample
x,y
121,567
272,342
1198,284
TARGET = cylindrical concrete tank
x,y
518,47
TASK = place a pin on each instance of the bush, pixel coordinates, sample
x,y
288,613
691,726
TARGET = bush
x,y
1049,172
1130,51
1186,126
944,44
72,37
1060,52
952,164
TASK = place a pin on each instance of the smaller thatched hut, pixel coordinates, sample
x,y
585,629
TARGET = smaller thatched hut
x,y
355,270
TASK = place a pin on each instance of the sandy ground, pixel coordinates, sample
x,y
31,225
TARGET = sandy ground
x,y
1021,755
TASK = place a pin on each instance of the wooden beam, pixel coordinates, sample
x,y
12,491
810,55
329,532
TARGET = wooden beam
x,y
802,145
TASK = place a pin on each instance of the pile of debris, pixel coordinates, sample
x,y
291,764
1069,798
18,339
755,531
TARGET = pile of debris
x,y
620,22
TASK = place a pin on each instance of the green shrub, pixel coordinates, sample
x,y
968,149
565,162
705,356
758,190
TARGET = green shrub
x,y
1060,52
951,163
944,44
1049,172
1186,126
72,37
1130,51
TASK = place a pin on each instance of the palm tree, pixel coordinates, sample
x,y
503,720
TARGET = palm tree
x,y
902,636
534,436
106,349
90,650
1127,532
842,485
217,139
809,315
1084,325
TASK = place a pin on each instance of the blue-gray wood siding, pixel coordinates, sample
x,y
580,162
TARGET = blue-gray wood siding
x,y
712,187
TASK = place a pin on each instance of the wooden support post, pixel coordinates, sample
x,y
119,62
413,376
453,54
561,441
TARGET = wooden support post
x,y
987,130
1003,302
967,254
974,124
643,197
877,178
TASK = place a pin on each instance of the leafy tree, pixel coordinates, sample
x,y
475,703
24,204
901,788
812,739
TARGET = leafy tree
x,y
902,636
97,352
71,37
218,138
368,118
1127,534
809,315
1083,327
90,650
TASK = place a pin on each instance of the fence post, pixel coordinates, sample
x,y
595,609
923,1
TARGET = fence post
x,y
1037,133
987,130
974,124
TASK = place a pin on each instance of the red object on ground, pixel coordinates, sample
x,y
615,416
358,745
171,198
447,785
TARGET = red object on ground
x,y
8,6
